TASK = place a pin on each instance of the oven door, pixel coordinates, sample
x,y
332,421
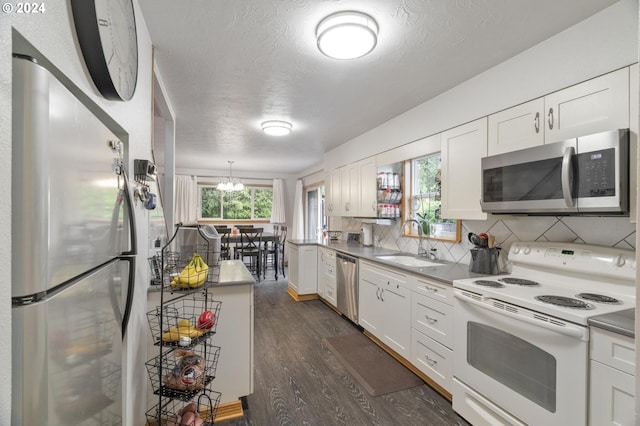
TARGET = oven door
x,y
537,374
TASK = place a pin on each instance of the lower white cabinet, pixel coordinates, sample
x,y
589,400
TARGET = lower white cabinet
x,y
385,306
432,358
303,267
432,330
611,378
327,275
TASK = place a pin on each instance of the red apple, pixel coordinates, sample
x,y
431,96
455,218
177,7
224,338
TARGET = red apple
x,y
206,320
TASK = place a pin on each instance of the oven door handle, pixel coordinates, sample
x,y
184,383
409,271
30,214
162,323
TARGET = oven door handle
x,y
558,326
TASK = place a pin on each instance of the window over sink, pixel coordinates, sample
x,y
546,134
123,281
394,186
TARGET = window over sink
x,y
424,200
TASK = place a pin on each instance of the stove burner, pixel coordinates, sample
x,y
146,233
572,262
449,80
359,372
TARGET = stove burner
x,y
599,298
565,302
518,281
488,283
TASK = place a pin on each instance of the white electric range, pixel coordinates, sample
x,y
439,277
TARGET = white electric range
x,y
521,340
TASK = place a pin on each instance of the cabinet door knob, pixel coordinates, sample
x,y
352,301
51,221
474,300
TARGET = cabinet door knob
x,y
550,118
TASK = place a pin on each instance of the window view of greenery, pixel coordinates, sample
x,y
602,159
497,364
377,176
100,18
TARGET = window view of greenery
x,y
426,200
250,203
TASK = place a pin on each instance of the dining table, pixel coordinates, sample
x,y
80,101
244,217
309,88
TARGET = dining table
x,y
235,239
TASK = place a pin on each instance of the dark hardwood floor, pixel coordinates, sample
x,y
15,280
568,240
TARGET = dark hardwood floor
x,y
298,381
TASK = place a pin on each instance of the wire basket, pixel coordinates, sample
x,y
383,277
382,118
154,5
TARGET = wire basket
x,y
206,407
185,318
183,373
181,274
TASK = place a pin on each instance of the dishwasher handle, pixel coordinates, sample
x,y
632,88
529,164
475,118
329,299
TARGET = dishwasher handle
x,y
346,258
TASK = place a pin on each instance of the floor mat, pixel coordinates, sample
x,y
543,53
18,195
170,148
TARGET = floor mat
x,y
377,371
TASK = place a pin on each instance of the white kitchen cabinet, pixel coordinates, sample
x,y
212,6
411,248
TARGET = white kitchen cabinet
x,y
433,359
519,127
367,188
594,106
349,189
303,268
462,149
327,275
611,378
385,306
334,202
432,330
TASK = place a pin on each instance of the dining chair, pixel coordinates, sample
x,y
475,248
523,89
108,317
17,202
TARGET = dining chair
x,y
225,249
283,242
251,248
270,253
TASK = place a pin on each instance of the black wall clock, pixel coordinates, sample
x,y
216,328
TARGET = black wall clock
x,y
106,32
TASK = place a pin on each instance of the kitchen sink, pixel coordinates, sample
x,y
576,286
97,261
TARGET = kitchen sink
x,y
408,260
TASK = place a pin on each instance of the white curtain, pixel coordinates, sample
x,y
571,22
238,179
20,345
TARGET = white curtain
x,y
297,228
277,209
186,199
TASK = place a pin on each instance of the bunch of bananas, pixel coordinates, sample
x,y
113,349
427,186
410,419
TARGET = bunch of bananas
x,y
184,329
193,275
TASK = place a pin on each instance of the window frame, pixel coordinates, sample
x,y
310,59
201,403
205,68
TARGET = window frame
x,y
410,180
221,219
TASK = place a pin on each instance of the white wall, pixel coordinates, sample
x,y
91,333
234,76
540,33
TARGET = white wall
x,y
602,43
52,33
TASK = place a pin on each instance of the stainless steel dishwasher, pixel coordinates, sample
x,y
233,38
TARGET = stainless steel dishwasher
x,y
347,286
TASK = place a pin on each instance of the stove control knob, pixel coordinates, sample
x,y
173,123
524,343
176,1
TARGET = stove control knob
x,y
515,249
527,250
620,261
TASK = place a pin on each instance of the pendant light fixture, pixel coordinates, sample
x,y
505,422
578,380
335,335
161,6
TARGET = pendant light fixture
x,y
347,35
230,184
276,127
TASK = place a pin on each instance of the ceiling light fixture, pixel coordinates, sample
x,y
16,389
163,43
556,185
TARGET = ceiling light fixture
x,y
276,127
230,184
347,35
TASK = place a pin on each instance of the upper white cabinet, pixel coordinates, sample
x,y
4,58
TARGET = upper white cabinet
x,y
462,149
333,197
348,189
352,190
516,128
366,195
594,106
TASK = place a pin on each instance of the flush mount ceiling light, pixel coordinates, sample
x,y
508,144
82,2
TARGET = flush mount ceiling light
x,y
230,184
276,127
347,35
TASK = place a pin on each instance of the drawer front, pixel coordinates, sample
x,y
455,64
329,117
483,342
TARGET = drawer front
x,y
381,276
433,359
613,349
434,290
432,318
330,271
330,293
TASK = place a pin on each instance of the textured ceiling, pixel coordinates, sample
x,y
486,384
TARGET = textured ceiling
x,y
229,65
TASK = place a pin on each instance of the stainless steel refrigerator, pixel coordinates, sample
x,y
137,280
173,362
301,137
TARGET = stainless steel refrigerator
x,y
73,256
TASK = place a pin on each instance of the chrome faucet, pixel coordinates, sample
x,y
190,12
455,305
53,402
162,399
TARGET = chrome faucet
x,y
421,250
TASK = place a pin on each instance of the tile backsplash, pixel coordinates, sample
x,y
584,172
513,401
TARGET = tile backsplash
x,y
604,231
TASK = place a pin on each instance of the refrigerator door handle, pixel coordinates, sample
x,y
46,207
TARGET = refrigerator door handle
x,y
115,303
132,222
131,285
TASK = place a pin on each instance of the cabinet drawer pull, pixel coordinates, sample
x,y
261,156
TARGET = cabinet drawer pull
x,y
432,289
430,360
536,122
550,118
378,293
431,320
381,294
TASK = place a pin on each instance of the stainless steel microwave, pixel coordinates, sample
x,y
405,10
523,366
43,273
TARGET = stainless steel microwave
x,y
585,175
